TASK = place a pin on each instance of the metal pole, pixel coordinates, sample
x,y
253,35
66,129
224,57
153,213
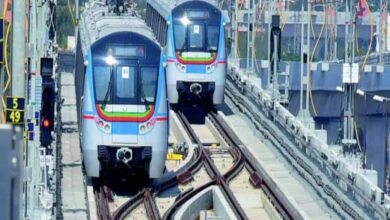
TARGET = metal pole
x,y
365,131
269,41
386,148
18,48
386,28
254,28
380,30
346,33
77,9
248,13
308,54
236,31
1,93
249,39
1,68
352,89
275,91
335,31
326,32
301,106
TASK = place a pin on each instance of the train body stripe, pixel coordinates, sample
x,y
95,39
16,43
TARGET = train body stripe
x,y
162,118
196,60
124,117
125,114
88,117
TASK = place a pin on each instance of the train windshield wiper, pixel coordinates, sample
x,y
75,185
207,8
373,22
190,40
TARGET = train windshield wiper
x,y
143,99
182,48
108,93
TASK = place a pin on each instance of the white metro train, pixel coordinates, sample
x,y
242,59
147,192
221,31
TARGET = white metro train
x,y
122,89
192,32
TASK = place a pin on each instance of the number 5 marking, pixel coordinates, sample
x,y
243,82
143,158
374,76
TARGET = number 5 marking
x,y
15,103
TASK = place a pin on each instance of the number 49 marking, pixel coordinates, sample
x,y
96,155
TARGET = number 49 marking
x,y
15,117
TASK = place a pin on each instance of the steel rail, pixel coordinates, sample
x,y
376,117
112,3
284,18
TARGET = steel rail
x,y
203,159
103,210
150,206
128,206
256,177
183,176
212,170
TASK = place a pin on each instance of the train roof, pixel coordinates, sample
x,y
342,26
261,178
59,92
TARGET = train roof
x,y
164,7
98,21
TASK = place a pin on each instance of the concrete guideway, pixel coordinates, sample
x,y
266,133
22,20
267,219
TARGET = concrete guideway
x,y
217,158
304,199
199,193
347,190
252,200
73,191
209,197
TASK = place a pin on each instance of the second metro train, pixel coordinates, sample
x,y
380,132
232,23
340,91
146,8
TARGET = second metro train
x,y
192,32
123,107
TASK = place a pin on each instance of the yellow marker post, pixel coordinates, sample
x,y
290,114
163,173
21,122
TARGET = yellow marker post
x,y
214,145
172,156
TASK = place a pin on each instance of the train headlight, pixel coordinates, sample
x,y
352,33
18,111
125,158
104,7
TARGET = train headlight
x,y
105,127
181,67
210,68
147,126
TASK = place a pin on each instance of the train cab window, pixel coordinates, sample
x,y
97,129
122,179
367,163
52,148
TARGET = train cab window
x,y
180,36
149,77
125,69
125,82
101,79
196,36
196,27
212,38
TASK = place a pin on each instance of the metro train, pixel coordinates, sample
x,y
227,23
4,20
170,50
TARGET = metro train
x,y
192,32
123,106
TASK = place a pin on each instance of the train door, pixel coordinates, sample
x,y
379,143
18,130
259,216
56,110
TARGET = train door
x,y
125,110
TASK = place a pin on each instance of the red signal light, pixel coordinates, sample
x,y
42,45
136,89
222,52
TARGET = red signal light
x,y
46,123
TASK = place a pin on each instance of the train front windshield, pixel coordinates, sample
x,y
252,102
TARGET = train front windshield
x,y
129,84
125,70
196,27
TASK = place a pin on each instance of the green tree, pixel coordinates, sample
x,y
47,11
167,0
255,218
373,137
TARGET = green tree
x,y
64,22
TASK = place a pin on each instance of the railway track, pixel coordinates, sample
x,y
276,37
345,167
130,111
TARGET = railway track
x,y
217,177
241,165
102,197
236,174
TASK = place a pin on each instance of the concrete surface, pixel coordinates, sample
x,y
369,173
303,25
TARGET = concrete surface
x,y
303,198
73,190
210,198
